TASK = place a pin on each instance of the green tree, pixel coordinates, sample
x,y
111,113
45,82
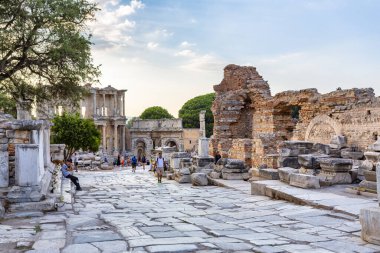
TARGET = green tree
x,y
45,49
156,112
76,133
191,109
7,104
130,122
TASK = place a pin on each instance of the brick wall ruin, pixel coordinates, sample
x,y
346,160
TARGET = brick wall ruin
x,y
249,122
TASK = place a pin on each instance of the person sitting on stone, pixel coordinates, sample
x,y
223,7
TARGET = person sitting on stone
x,y
66,167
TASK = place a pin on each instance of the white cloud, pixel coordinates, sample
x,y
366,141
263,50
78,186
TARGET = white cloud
x,y
185,44
161,33
152,45
185,53
204,63
113,24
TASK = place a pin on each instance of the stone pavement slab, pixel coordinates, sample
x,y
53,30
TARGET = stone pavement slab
x,y
122,211
312,197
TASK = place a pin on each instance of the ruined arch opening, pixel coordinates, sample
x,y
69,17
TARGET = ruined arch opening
x,y
285,118
243,127
172,144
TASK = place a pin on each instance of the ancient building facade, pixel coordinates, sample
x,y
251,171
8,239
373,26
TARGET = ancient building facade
x,y
106,106
147,135
249,122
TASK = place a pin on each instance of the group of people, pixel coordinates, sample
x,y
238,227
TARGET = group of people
x,y
158,166
126,161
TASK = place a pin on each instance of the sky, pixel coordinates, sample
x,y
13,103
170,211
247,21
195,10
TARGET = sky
x,y
165,52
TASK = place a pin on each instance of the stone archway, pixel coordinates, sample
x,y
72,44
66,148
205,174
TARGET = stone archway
x,y
322,128
171,143
140,148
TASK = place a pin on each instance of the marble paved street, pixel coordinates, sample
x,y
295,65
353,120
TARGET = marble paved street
x,y
123,212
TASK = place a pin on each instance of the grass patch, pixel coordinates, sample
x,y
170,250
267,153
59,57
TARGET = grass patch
x,y
37,228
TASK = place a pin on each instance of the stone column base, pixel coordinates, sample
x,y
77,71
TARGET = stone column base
x,y
370,221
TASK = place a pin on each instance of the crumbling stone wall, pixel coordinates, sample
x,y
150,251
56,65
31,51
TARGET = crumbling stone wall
x,y
245,111
13,132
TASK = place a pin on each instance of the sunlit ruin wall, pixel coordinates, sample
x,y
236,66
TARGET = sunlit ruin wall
x,y
249,122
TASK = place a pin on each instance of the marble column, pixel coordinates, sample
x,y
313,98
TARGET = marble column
x,y
115,138
120,105
202,124
46,141
123,104
115,104
104,104
123,139
104,138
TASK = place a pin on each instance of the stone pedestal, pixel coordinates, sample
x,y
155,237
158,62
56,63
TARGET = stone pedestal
x,y
4,169
234,170
27,171
175,159
335,171
203,147
370,218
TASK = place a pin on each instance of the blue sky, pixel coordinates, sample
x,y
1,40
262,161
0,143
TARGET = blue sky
x,y
168,51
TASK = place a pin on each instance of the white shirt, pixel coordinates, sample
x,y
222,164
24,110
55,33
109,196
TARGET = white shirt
x,y
160,162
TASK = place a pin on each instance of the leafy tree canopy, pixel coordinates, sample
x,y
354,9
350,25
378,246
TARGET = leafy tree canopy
x,y
45,49
156,112
191,109
7,104
76,133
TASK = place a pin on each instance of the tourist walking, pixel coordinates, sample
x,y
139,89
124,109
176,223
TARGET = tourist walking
x,y
134,163
143,161
118,161
65,172
159,167
122,161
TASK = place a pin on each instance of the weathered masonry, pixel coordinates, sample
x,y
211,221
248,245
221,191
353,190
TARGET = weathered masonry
x,y
147,135
249,122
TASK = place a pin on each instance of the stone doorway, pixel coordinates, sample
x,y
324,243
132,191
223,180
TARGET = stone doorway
x,y
141,150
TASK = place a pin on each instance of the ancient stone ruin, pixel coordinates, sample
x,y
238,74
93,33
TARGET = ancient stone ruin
x,y
25,162
250,123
